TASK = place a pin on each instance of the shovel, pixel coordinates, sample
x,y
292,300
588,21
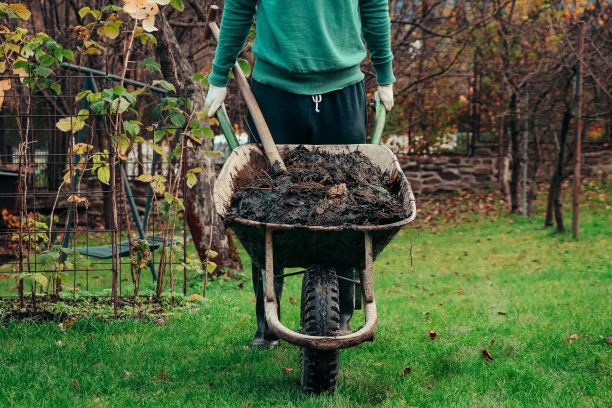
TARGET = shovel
x,y
278,166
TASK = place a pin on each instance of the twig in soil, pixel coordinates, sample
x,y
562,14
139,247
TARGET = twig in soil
x,y
267,174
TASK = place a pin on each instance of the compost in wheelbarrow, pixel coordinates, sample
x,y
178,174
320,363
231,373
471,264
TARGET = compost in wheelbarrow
x,y
323,189
298,245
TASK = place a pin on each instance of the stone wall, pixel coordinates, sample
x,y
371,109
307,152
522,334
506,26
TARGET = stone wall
x,y
428,174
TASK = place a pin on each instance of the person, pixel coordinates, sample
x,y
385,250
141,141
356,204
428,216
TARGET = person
x,y
308,84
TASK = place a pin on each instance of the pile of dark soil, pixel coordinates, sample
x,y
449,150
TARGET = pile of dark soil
x,y
322,189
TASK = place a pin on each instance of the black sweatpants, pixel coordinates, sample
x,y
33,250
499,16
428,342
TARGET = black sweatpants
x,y
337,117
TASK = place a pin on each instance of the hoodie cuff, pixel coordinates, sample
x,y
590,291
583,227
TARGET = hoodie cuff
x,y
384,73
218,76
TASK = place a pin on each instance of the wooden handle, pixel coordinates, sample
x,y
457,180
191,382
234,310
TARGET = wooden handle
x,y
278,166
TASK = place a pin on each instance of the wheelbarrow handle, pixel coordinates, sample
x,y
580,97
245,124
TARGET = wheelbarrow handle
x,y
226,126
379,121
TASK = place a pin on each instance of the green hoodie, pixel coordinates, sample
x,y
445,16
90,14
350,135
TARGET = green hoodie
x,y
306,47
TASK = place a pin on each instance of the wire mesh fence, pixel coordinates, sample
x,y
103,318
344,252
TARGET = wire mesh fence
x,y
75,221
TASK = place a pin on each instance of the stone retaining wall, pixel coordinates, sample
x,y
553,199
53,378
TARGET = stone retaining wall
x,y
428,174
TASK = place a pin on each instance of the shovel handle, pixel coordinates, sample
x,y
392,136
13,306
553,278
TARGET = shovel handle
x,y
278,166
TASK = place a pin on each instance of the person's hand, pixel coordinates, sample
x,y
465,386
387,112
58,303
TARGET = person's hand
x,y
385,94
214,98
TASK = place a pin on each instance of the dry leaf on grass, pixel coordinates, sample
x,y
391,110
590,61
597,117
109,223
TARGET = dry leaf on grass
x,y
405,371
460,290
572,338
432,334
486,356
292,301
287,370
163,376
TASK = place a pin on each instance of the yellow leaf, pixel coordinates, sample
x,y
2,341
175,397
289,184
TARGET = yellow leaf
x,y
70,124
21,10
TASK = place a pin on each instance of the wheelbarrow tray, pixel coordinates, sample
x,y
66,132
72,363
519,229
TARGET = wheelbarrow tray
x,y
300,245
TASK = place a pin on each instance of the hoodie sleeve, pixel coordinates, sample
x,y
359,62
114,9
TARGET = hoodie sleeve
x,y
235,26
376,31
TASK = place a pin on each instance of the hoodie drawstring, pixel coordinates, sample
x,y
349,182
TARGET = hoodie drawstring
x,y
317,99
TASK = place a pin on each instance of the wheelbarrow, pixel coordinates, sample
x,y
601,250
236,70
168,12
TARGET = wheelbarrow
x,y
315,248
273,245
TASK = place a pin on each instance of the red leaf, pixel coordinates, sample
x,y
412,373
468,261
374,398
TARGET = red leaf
x,y
493,341
486,356
287,370
432,334
211,384
609,339
460,290
292,301
163,376
75,383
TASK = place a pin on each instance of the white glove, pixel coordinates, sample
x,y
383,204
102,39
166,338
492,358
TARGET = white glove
x,y
214,98
385,94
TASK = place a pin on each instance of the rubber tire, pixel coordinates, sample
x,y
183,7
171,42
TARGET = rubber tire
x,y
320,316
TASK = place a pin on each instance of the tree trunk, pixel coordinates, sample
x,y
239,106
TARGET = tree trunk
x,y
205,226
554,206
516,159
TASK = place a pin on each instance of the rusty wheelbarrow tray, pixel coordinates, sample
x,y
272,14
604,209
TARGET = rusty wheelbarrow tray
x,y
284,245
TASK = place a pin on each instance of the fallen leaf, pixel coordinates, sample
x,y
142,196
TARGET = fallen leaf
x,y
240,285
378,364
287,370
405,371
426,312
127,374
609,339
75,383
572,338
292,301
161,321
493,341
460,290
163,376
245,348
486,356
69,323
432,334
431,294
211,384
5,276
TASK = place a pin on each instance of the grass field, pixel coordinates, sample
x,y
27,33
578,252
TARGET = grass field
x,y
537,301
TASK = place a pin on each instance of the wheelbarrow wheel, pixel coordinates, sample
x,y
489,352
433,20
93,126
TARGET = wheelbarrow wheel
x,y
320,316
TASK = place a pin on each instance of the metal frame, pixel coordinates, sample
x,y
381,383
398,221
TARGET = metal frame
x,y
322,342
141,226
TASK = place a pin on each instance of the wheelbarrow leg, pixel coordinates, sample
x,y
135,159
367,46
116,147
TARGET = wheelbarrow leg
x,y
263,336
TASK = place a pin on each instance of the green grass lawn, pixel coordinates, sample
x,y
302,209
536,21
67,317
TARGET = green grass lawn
x,y
485,281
